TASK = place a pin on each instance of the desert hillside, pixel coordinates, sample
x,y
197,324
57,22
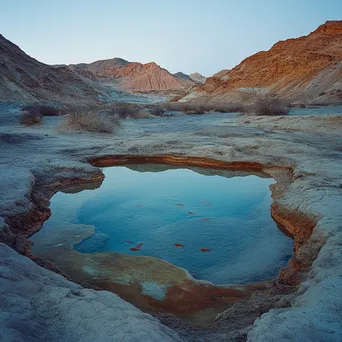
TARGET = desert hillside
x,y
197,77
23,78
185,79
306,69
138,77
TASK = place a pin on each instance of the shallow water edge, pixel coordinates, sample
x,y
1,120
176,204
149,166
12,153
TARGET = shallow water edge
x,y
289,276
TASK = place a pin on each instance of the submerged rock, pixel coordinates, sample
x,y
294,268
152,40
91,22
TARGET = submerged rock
x,y
39,305
92,244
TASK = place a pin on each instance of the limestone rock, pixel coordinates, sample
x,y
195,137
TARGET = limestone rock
x,y
39,305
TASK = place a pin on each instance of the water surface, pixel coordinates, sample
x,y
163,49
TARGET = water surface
x,y
228,216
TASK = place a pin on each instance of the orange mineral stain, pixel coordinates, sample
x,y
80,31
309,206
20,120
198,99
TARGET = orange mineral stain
x,y
178,245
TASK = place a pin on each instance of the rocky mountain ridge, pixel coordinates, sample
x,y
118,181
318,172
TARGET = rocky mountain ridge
x,y
304,69
197,77
22,78
307,69
139,77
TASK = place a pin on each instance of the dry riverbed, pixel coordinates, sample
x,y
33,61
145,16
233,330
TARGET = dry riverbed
x,y
303,154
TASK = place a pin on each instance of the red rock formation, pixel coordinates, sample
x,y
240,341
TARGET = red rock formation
x,y
306,68
134,76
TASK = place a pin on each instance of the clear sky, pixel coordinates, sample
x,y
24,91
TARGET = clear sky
x,y
180,35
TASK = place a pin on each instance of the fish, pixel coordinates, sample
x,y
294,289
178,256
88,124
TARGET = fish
x,y
138,245
130,242
134,249
205,219
205,249
190,213
178,245
139,205
180,204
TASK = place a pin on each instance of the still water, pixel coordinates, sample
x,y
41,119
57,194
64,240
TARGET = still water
x,y
215,224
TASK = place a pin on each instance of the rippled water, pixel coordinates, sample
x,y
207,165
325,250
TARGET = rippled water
x,y
223,212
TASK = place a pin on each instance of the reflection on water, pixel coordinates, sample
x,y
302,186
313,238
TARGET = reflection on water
x,y
218,227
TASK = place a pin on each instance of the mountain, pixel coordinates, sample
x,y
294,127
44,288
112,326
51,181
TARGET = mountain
x,y
137,77
305,69
197,77
97,66
184,79
23,78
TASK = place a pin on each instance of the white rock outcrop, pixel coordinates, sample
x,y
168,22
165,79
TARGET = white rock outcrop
x,y
39,305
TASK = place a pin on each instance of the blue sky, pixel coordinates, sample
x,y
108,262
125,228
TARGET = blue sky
x,y
180,35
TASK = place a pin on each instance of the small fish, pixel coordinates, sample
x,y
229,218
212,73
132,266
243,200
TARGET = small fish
x,y
138,245
190,213
135,249
139,205
178,245
204,219
130,242
180,204
205,249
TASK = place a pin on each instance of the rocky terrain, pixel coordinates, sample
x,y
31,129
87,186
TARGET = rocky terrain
x,y
303,70
73,313
23,78
138,77
302,153
197,77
